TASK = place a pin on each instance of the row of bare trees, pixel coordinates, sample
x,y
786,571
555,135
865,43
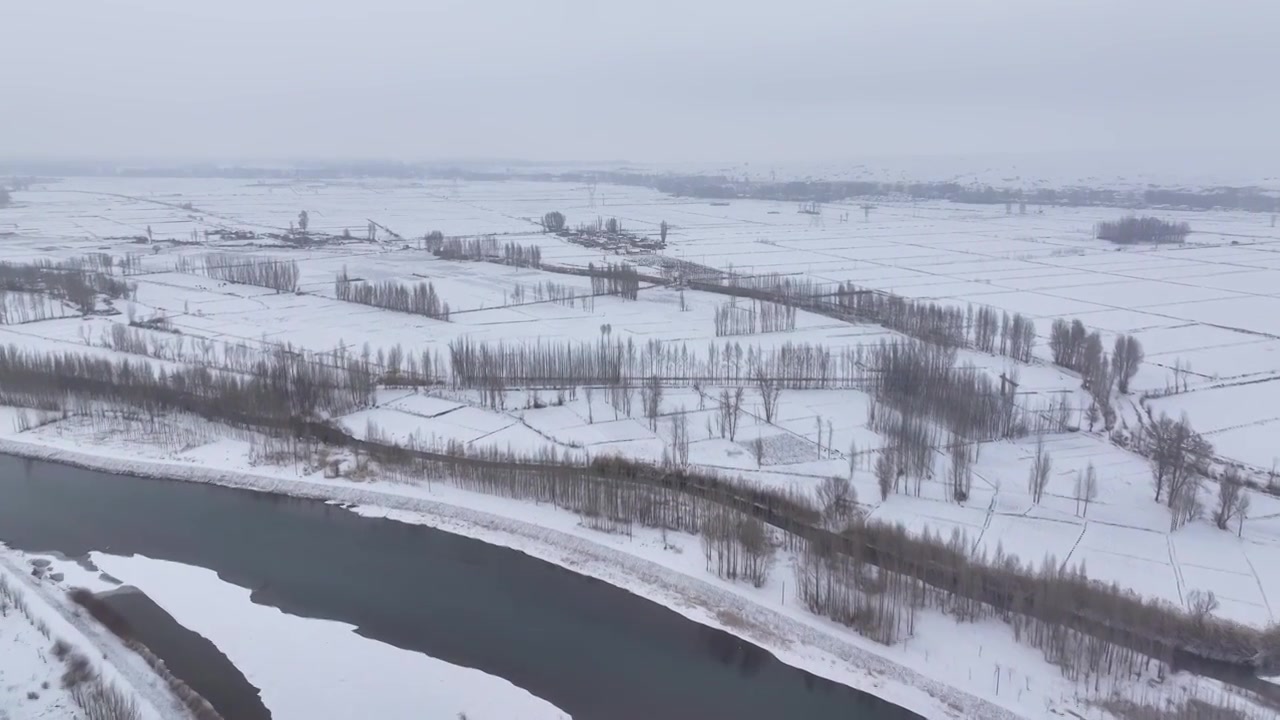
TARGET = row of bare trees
x,y
419,298
949,325
760,317
617,361
24,307
619,279
275,273
483,247
1076,348
279,389
1132,229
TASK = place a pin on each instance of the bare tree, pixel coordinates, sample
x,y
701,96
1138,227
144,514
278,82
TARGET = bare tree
x,y
886,474
838,501
960,474
304,220
651,398
1091,359
1178,458
680,439
1233,500
1039,475
663,227
770,389
757,449
730,409
1126,358
1202,604
1086,489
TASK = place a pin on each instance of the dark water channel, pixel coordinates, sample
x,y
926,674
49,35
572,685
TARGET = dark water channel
x,y
591,649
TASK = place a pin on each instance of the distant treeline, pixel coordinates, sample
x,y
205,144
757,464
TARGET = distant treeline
x,y
1131,230
699,186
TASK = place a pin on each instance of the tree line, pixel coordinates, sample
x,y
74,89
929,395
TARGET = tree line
x,y
619,279
484,247
275,273
419,298
968,326
760,317
615,361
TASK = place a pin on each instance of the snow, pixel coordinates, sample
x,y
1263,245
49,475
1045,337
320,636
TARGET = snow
x,y
28,663
1209,305
307,668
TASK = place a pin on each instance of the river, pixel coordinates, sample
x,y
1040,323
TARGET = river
x,y
591,649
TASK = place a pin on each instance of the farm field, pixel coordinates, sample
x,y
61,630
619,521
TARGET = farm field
x,y
1207,313
1204,308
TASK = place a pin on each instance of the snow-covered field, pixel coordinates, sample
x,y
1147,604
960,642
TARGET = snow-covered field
x,y
1209,309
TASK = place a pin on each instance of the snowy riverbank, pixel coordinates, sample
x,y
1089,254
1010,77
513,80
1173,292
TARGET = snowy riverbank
x,y
943,671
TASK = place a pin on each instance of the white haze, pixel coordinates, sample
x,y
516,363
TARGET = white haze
x,y
651,81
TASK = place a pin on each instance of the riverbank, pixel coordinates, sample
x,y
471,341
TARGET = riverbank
x,y
793,635
44,634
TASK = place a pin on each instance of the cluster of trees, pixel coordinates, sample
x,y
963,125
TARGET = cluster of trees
x,y
978,328
553,221
1076,348
1130,230
737,546
275,273
761,316
619,279
483,247
420,298
74,281
1179,463
922,380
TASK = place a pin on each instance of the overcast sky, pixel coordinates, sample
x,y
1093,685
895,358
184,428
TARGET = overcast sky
x,y
647,80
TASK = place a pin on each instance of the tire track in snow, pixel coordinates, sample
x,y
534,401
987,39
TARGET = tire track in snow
x,y
1177,571
1266,602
